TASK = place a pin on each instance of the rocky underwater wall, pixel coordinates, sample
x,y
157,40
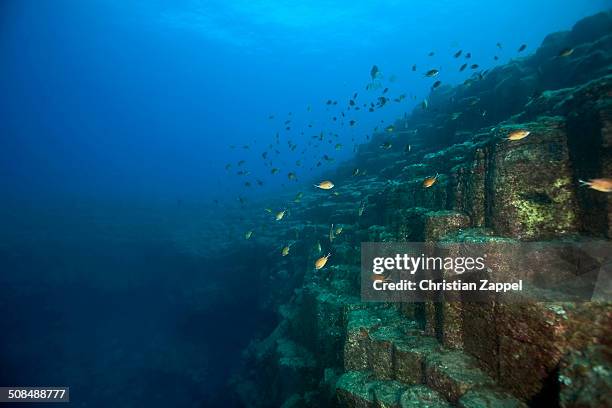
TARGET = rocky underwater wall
x,y
332,349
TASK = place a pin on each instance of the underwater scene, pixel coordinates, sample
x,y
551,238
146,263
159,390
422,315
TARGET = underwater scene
x,y
283,203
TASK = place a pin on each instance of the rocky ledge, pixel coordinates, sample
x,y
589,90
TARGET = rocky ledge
x,y
331,349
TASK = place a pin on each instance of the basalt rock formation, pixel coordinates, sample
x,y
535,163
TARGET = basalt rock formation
x,y
332,349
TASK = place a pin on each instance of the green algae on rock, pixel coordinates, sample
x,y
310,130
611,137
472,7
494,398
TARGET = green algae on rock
x,y
447,352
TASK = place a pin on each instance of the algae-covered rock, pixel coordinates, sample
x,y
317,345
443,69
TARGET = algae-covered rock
x,y
354,390
332,348
372,336
531,184
531,342
361,389
453,374
387,394
360,324
409,224
410,355
420,396
480,337
469,192
381,351
585,378
440,223
489,398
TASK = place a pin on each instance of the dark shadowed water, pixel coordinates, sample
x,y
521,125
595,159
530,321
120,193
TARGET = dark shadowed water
x,y
162,330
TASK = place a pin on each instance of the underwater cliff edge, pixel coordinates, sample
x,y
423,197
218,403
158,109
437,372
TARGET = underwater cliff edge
x,y
332,349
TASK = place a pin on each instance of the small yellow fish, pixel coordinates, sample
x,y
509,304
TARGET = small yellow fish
x,y
248,234
280,215
380,278
320,263
600,184
430,181
338,231
325,185
285,250
518,134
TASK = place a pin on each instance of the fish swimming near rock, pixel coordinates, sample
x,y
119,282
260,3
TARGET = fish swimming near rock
x,y
374,72
386,145
463,67
248,235
325,185
380,278
432,73
430,181
279,216
320,263
285,250
566,52
518,134
603,185
362,207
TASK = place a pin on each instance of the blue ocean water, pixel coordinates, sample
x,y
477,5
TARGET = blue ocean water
x,y
117,121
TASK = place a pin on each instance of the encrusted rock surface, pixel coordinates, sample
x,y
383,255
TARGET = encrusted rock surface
x,y
331,349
